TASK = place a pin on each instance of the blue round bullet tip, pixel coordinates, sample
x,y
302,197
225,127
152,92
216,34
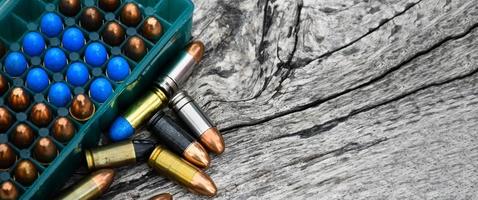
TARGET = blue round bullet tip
x,y
33,44
55,59
51,24
15,64
77,74
120,130
117,69
59,94
37,79
100,90
73,39
95,54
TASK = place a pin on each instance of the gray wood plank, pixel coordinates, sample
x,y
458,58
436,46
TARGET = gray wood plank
x,y
334,100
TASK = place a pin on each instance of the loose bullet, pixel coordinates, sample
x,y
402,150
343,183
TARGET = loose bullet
x,y
8,191
201,126
178,140
91,19
41,115
3,84
162,196
92,186
45,150
173,167
135,48
7,156
118,154
130,14
6,119
82,108
70,7
22,136
152,28
109,5
25,172
63,129
19,99
157,97
113,34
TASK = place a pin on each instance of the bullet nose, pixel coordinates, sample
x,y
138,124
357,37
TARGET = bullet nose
x,y
41,114
162,196
6,119
63,129
25,172
7,156
19,99
213,141
82,108
8,191
202,184
197,155
45,150
22,135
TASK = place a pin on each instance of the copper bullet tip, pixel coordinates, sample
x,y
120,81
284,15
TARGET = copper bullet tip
x,y
162,196
45,150
103,179
213,141
152,28
25,172
113,34
203,184
130,14
197,155
91,19
196,50
7,156
19,99
70,7
109,5
41,114
22,136
63,129
82,108
8,191
6,119
135,48
3,83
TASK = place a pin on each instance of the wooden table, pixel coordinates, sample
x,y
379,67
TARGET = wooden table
x,y
334,100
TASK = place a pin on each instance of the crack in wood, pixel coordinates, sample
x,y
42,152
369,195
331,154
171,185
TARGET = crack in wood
x,y
370,82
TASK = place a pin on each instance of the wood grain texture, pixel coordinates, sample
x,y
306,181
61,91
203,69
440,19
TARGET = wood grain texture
x,y
334,100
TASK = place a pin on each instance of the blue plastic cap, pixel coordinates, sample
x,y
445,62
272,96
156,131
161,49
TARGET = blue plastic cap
x,y
100,90
51,24
15,64
77,74
55,59
59,94
117,69
120,130
33,44
37,80
96,54
73,39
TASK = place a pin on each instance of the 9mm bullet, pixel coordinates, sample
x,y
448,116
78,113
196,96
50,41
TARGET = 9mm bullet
x,y
162,196
167,163
178,140
201,126
118,154
157,97
91,187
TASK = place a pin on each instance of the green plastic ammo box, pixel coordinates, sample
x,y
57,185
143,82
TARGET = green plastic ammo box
x,y
18,17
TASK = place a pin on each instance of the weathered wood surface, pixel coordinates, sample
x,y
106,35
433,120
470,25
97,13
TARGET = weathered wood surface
x,y
335,100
